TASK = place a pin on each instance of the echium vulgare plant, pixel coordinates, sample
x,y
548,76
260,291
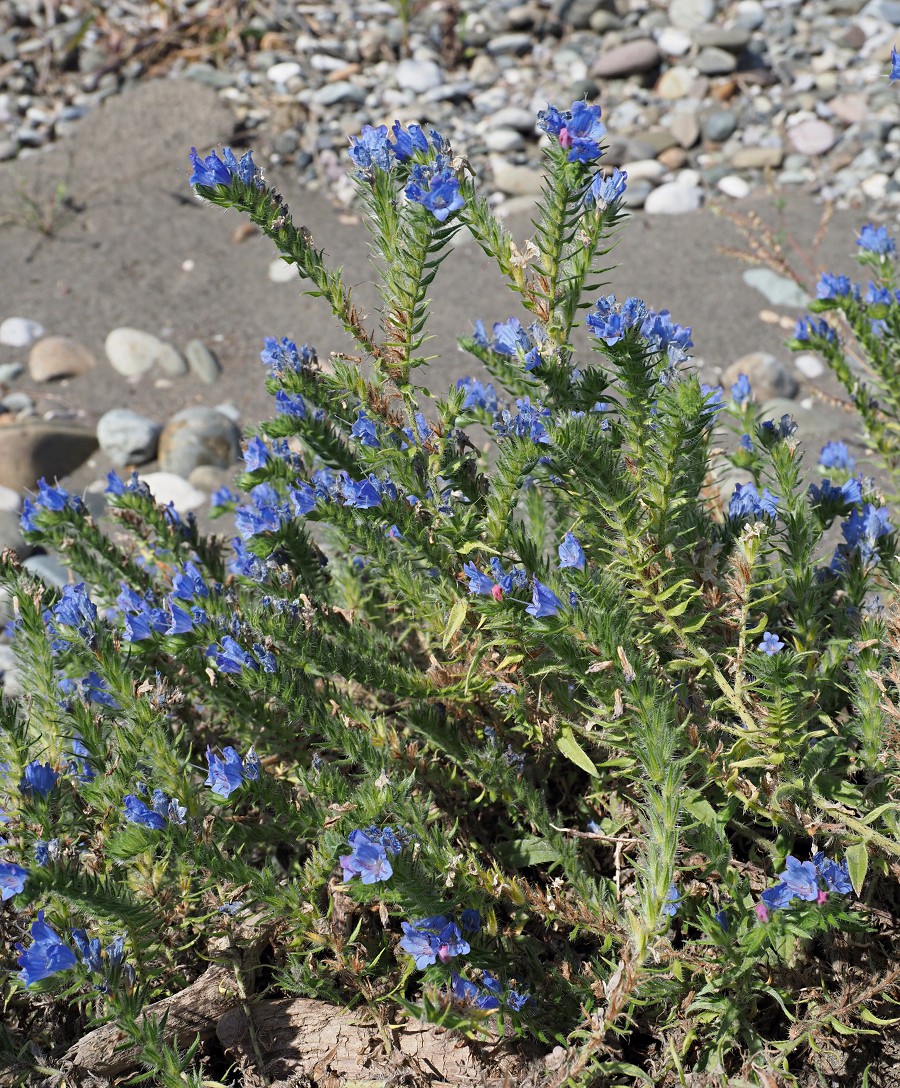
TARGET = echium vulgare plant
x,y
544,744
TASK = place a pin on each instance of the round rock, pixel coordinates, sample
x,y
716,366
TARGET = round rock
x,y
712,61
127,437
170,488
132,352
624,60
685,128
418,76
673,198
202,361
198,436
719,125
676,82
59,357
768,377
812,137
733,186
281,73
691,14
809,364
20,332
35,448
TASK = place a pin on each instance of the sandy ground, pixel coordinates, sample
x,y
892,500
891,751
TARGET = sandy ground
x,y
117,256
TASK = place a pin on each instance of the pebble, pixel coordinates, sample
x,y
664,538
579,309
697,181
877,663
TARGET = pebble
x,y
691,14
202,362
127,437
168,487
516,180
10,371
286,70
20,332
673,198
675,83
769,378
776,289
685,127
624,60
132,352
56,357
49,569
733,186
713,61
812,137
10,501
33,448
809,364
719,125
418,76
198,436
282,272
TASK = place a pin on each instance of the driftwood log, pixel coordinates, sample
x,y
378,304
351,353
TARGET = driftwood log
x,y
306,1043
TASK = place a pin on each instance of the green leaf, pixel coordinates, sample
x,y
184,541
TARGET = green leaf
x,y
456,620
871,1018
858,863
528,851
571,749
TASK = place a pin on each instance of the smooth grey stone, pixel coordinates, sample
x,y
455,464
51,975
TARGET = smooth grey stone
x,y
48,568
198,436
10,371
132,352
712,61
418,76
11,535
719,125
127,437
202,361
628,59
339,94
691,14
514,42
769,378
18,403
733,39
777,290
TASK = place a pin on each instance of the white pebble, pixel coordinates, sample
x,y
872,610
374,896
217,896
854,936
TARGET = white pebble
x,y
167,487
20,332
282,272
733,186
281,73
809,364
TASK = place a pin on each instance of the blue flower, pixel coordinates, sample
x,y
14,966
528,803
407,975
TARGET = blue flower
x,y
874,239
478,395
364,430
479,584
47,954
137,812
831,287
863,528
290,404
606,190
408,142
800,878
38,778
76,610
670,905
168,808
256,454
45,852
367,859
433,939
372,148
223,496
571,554
741,390
810,328
188,583
442,195
12,879
578,130
778,896
895,65
89,950
544,602
231,657
835,455
228,774
213,171
280,355
747,502
470,920
770,644
834,874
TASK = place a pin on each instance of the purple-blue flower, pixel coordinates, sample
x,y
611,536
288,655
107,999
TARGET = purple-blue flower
x,y
280,355
38,778
229,773
46,955
441,196
213,171
12,879
137,812
367,859
810,328
478,395
670,904
77,610
835,455
800,878
606,190
371,148
831,287
571,554
408,142
433,939
256,454
188,583
544,601
876,240
364,430
834,874
770,644
747,502
895,65
230,657
741,390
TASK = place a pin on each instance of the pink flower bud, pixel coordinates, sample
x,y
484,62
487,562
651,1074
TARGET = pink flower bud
x,y
762,912
497,593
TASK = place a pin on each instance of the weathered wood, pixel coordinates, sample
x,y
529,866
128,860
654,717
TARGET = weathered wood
x,y
311,1042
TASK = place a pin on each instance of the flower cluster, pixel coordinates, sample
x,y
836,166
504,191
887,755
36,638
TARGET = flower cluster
x,y
48,954
578,130
511,339
478,395
54,499
862,531
528,422
229,773
610,322
213,171
747,502
606,191
283,355
808,881
368,857
163,810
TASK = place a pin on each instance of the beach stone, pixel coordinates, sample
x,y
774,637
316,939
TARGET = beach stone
x,y
11,536
281,271
625,60
30,449
673,198
281,73
712,61
198,436
851,108
749,14
168,487
19,404
768,377
127,437
209,478
20,332
691,14
685,127
887,11
202,362
341,93
230,410
418,76
719,125
644,170
757,158
812,137
676,82
515,180
673,158
776,289
515,42
503,140
733,186
673,42
48,568
516,117
132,352
10,501
809,364
59,357
10,371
